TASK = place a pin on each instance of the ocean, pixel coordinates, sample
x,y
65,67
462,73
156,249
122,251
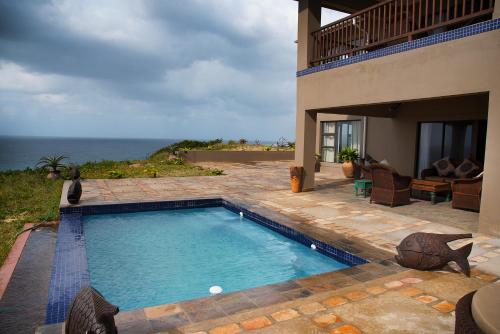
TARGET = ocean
x,y
23,152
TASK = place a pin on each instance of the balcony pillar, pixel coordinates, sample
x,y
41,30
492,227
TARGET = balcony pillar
x,y
305,145
496,10
488,217
309,21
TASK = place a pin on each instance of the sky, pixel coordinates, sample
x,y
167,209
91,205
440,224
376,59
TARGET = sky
x,y
149,69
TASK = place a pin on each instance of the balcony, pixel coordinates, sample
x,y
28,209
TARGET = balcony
x,y
392,22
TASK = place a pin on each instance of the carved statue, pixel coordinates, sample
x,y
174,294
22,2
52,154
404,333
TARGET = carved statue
x,y
75,189
91,313
425,251
74,172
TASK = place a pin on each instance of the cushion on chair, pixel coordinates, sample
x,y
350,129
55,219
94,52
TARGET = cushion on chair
x,y
485,305
466,168
444,167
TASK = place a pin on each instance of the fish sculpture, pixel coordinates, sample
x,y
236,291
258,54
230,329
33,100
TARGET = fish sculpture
x,y
426,251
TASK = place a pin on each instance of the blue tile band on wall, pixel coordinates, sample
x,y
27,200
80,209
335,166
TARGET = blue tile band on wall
x,y
70,270
470,30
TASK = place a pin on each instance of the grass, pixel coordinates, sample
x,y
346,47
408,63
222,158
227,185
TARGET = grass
x,y
28,197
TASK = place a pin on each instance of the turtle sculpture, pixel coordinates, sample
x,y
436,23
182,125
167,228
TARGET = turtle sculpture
x,y
75,189
426,251
90,313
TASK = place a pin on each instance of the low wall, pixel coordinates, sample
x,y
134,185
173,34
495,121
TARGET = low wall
x,y
236,156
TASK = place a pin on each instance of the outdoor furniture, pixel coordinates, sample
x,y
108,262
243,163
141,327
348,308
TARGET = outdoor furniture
x,y
364,185
467,193
432,187
477,311
431,174
388,186
361,171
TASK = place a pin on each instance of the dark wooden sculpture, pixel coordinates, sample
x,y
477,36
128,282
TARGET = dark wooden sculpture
x,y
75,189
91,313
426,251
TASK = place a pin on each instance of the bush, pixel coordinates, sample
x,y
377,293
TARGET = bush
x,y
348,154
268,148
116,174
178,161
243,141
186,145
216,171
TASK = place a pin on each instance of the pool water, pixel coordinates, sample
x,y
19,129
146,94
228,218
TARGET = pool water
x,y
149,258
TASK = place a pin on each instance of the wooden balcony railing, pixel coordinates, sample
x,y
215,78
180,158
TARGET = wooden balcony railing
x,y
392,22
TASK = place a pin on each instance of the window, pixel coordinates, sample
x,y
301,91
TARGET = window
x,y
337,135
457,140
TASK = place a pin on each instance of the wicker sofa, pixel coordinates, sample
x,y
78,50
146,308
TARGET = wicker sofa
x,y
431,174
388,186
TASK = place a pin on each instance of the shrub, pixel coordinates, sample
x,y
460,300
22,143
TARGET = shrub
x,y
291,144
152,171
243,141
116,174
231,142
268,148
178,161
216,171
257,142
348,154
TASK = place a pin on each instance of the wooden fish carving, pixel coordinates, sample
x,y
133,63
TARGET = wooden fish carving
x,y
426,251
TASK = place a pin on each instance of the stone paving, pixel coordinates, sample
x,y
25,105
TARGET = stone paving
x,y
374,299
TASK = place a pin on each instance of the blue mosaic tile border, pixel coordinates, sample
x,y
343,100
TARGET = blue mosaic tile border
x,y
470,30
69,268
70,271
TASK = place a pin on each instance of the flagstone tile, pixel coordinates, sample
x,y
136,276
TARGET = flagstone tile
x,y
444,306
256,323
346,329
326,320
227,329
311,308
426,299
286,314
356,295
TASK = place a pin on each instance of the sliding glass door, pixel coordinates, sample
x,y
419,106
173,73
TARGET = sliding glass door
x,y
337,135
456,140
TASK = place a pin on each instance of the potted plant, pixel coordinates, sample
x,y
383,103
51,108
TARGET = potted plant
x,y
52,163
317,164
347,155
296,178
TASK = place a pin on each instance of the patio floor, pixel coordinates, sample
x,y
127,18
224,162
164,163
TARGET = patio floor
x,y
359,303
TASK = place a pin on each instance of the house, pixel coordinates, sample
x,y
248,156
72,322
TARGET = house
x,y
409,81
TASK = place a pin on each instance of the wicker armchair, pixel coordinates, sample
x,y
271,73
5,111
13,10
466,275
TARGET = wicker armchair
x,y
361,171
388,186
467,193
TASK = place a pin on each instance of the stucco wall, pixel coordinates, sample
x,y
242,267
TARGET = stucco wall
x,y
458,67
236,156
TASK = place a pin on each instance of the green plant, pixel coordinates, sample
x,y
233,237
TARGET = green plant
x,y
243,141
116,174
348,154
178,161
152,171
231,142
268,148
53,163
216,171
317,156
291,144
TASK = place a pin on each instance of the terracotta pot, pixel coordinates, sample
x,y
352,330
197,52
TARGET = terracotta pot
x,y
348,169
53,175
296,177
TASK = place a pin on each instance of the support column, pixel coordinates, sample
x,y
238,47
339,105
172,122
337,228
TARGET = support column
x,y
488,217
496,10
305,144
309,21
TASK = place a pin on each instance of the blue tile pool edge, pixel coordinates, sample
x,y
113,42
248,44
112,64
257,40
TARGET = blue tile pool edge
x,y
70,270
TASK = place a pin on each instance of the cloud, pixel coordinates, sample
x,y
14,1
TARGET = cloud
x,y
172,69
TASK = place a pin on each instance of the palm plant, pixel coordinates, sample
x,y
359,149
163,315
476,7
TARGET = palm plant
x,y
52,163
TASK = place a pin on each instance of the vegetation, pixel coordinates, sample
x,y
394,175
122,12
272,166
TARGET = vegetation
x,y
52,163
26,197
219,145
348,154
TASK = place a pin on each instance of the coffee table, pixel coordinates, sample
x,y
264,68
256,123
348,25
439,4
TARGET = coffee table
x,y
432,187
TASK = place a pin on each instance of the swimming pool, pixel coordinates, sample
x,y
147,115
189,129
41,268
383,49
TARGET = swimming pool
x,y
149,258
149,253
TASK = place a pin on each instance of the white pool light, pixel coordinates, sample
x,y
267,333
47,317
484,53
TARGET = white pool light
x,y
241,214
215,290
313,246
